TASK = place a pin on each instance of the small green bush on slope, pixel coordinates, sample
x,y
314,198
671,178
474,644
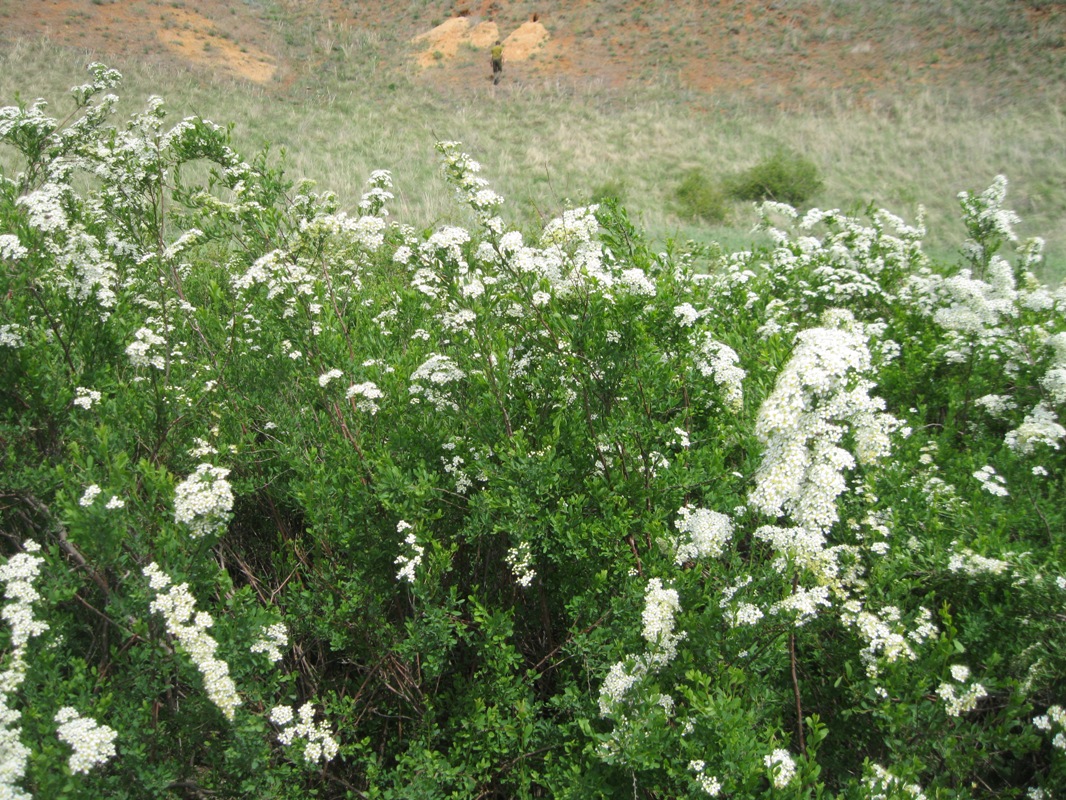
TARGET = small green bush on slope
x,y
300,503
785,177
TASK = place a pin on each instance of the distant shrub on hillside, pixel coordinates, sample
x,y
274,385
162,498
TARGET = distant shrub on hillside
x,y
786,176
700,198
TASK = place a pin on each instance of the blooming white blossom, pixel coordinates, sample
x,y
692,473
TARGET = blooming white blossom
x,y
93,743
883,785
203,501
189,627
86,397
143,351
782,767
686,314
408,563
366,392
719,362
89,496
819,394
318,740
967,561
272,638
704,534
519,560
11,335
960,699
660,606
429,380
18,575
708,783
992,482
1040,427
326,377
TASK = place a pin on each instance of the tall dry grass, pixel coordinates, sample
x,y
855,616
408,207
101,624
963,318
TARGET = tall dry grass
x,y
545,144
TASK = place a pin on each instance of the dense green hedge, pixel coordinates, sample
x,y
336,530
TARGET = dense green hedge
x,y
298,502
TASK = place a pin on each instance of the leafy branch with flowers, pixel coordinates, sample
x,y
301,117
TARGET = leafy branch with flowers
x,y
473,511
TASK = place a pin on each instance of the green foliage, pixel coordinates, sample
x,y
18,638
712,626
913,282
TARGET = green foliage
x,y
332,507
785,177
698,197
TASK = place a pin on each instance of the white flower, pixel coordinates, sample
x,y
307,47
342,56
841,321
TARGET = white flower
x,y
708,783
11,335
782,767
272,638
518,559
86,397
318,740
189,627
204,500
705,534
367,393
408,563
115,502
1040,427
686,314
93,743
143,352
967,561
89,496
326,377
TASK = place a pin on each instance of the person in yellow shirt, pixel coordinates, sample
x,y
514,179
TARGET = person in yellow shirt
x,y
497,62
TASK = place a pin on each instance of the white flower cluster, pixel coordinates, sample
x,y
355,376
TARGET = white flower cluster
x,y
782,767
272,638
1055,716
11,335
819,394
377,193
189,627
960,699
203,501
886,638
660,607
408,563
11,248
1040,427
706,534
93,743
86,397
883,785
967,561
326,377
367,392
719,362
18,576
708,783
143,352
428,380
991,481
519,560
318,740
984,215
92,491
462,172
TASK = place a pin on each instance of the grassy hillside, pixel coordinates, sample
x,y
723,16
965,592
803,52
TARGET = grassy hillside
x,y
896,103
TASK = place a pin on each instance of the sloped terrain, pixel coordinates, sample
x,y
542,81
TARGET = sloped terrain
x,y
782,51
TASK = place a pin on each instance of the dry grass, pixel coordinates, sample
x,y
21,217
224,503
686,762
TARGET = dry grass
x,y
546,144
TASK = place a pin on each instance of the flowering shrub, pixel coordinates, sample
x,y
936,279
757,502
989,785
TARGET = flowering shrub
x,y
509,513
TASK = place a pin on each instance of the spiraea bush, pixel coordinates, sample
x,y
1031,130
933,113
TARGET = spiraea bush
x,y
300,502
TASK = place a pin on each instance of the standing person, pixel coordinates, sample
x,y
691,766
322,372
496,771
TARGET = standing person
x,y
497,62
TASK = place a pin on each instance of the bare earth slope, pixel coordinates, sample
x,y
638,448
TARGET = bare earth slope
x,y
781,52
